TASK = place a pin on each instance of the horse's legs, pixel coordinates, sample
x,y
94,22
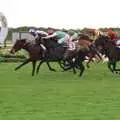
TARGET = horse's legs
x,y
42,61
82,68
60,64
50,68
114,68
89,61
72,66
24,63
97,56
64,66
110,67
34,65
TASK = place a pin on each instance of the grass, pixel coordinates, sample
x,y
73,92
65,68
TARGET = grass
x,y
59,95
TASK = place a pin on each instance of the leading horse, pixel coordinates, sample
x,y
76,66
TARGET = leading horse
x,y
35,53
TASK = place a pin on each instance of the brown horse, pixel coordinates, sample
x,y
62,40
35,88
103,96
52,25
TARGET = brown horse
x,y
55,52
34,50
107,47
85,42
36,53
84,36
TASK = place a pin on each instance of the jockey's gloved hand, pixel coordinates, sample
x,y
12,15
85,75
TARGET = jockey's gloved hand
x,y
74,40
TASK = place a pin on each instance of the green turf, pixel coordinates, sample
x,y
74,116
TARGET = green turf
x,y
58,95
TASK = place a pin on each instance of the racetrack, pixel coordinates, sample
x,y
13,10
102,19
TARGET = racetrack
x,y
58,95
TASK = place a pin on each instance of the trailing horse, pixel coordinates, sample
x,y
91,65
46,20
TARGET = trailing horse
x,y
106,46
86,43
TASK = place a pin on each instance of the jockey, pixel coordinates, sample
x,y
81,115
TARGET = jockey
x,y
95,33
112,34
73,37
32,32
62,37
71,43
65,38
37,34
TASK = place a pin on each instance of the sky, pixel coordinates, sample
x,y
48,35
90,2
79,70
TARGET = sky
x,y
69,14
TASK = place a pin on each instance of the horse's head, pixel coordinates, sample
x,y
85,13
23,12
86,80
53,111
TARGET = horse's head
x,y
19,44
102,40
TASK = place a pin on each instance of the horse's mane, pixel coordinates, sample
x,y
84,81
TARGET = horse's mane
x,y
106,41
84,36
106,38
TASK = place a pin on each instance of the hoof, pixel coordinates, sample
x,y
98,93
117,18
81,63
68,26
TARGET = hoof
x,y
116,72
53,70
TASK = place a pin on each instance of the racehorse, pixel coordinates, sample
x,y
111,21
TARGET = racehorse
x,y
106,46
85,41
56,50
84,36
36,53
34,50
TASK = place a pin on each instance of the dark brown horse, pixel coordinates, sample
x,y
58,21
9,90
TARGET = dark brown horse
x,y
55,52
83,49
107,47
34,50
36,53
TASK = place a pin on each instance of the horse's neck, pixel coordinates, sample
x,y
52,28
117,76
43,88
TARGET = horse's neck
x,y
86,42
26,46
108,48
30,46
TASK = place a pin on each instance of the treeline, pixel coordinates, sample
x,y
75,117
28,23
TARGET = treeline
x,y
26,29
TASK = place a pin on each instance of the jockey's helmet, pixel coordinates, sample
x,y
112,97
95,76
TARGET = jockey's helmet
x,y
71,32
32,30
50,31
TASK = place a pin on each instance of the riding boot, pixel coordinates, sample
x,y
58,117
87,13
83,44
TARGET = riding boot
x,y
66,54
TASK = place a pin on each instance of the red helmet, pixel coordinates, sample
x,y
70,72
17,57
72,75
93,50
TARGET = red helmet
x,y
50,31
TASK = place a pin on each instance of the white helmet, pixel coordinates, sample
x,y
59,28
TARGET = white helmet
x,y
32,30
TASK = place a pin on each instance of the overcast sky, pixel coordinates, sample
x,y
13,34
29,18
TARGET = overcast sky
x,y
62,13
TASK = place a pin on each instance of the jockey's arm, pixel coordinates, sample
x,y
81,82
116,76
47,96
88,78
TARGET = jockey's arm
x,y
50,36
36,36
60,41
74,36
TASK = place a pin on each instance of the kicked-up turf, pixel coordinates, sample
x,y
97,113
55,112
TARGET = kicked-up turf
x,y
58,95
